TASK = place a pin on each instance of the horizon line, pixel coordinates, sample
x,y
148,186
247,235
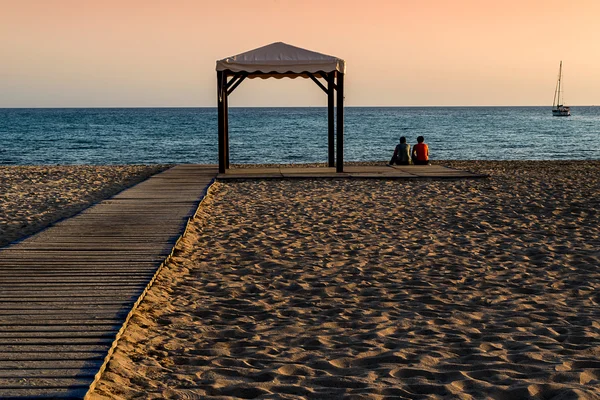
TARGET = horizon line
x,y
353,106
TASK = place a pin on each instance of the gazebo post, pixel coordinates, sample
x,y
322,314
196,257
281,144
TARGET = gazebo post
x,y
226,121
340,122
221,119
330,117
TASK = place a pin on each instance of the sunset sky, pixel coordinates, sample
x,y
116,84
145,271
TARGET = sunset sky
x,y
146,53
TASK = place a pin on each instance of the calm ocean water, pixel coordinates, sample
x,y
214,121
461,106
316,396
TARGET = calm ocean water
x,y
291,135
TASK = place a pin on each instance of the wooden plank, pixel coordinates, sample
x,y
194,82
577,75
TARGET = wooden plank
x,y
72,280
52,364
10,304
49,335
28,325
72,393
52,356
61,315
97,264
55,341
69,272
58,303
51,348
48,373
84,285
59,383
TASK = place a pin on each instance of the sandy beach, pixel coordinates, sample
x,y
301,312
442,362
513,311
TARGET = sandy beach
x,y
360,289
378,289
33,197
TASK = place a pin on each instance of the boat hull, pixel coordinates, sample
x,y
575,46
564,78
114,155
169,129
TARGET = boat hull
x,y
561,112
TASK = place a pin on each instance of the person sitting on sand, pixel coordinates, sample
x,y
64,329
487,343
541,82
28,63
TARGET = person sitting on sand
x,y
420,153
401,153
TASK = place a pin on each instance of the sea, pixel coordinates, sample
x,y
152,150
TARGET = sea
x,y
105,136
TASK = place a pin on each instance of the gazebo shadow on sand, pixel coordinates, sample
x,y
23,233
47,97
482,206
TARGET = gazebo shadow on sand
x,y
281,60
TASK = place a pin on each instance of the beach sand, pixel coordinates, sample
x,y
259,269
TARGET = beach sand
x,y
358,289
368,289
33,197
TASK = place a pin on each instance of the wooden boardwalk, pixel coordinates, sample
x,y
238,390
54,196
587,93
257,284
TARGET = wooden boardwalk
x,y
351,171
66,292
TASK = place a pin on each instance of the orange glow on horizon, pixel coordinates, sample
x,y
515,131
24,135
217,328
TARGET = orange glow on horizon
x,y
431,52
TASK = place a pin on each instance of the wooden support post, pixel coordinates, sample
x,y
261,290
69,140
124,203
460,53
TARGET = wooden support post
x,y
226,119
221,120
330,119
340,122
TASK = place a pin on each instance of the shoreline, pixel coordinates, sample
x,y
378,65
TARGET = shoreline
x,y
35,196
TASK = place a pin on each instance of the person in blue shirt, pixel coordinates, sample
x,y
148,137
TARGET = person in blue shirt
x,y
401,153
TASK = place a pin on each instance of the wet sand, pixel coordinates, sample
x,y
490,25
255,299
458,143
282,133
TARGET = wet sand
x,y
33,197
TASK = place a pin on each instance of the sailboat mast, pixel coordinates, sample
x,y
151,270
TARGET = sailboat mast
x,y
555,95
559,79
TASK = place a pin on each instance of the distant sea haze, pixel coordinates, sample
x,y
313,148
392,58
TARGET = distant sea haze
x,y
292,135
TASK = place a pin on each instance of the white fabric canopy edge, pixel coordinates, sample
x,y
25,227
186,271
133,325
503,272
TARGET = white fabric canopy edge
x,y
279,59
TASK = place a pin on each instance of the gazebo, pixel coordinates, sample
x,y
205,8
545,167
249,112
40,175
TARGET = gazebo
x,y
281,60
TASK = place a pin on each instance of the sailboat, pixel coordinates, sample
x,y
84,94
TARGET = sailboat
x,y
558,109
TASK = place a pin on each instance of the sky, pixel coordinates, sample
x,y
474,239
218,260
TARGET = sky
x,y
162,53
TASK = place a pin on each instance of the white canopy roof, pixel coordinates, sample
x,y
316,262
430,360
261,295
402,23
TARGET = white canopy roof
x,y
279,60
